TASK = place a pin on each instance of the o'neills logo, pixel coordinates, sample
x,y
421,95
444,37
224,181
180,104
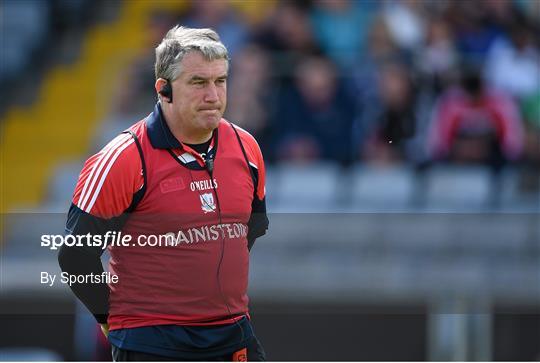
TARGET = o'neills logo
x,y
203,185
205,234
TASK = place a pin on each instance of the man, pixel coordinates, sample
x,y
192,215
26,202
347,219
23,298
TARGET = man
x,y
186,174
473,123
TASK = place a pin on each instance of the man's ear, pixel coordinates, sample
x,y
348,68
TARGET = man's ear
x,y
164,89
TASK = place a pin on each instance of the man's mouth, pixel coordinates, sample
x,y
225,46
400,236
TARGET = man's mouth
x,y
209,109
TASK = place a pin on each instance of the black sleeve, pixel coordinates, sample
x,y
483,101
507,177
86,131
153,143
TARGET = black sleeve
x,y
94,296
85,260
258,221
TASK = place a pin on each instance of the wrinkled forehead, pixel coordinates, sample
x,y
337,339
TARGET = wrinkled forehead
x,y
195,63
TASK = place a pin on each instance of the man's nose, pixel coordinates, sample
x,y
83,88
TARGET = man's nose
x,y
211,94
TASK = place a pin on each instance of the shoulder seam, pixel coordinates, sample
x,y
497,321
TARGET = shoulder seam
x,y
250,143
101,169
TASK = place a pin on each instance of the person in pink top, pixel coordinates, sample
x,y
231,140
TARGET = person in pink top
x,y
475,124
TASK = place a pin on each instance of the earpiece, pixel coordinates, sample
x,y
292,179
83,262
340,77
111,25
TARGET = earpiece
x,y
166,91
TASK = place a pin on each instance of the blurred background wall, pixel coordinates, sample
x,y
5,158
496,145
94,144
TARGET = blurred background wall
x,y
402,140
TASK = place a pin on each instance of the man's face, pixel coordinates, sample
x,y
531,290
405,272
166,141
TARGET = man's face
x,y
200,93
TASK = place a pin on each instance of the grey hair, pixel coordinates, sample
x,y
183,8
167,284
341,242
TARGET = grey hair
x,y
181,40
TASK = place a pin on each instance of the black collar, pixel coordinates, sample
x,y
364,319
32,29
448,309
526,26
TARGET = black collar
x,y
159,133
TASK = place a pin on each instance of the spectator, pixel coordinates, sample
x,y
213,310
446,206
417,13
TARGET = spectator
x,y
474,123
251,93
395,118
288,36
513,62
381,49
315,115
341,27
438,57
472,31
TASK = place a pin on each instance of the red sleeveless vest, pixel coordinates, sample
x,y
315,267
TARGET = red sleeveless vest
x,y
199,273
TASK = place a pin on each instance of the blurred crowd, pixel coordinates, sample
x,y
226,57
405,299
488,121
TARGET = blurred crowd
x,y
397,81
372,81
